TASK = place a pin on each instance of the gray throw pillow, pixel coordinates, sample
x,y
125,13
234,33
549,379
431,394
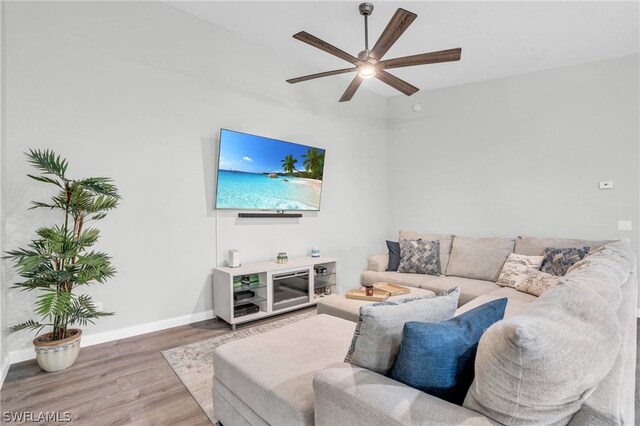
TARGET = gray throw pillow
x,y
378,333
557,261
419,257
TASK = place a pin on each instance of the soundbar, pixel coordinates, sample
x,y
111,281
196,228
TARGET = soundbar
x,y
259,215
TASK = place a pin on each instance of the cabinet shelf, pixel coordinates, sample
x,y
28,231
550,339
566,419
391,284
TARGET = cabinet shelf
x,y
254,299
237,289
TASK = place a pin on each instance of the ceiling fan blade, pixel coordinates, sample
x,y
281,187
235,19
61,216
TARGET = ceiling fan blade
x,y
321,74
323,45
396,83
423,58
396,26
351,90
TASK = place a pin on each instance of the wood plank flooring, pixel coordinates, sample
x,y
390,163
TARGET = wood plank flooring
x,y
124,382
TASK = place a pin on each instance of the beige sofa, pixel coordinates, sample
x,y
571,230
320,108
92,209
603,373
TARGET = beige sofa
x,y
295,375
472,264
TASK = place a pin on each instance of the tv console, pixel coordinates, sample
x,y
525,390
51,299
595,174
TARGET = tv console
x,y
276,288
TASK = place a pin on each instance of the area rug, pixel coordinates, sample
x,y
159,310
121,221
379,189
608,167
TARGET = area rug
x,y
193,363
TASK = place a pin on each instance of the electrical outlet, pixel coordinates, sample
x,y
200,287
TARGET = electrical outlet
x,y
98,306
624,225
607,184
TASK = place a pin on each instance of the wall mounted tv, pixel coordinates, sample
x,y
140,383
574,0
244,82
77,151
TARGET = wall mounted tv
x,y
258,173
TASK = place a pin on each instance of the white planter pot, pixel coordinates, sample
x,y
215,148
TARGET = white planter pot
x,y
58,354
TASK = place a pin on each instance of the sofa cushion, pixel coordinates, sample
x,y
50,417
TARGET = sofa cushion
x,y
514,306
445,244
519,380
408,280
469,288
419,257
515,269
394,255
378,262
265,370
479,258
378,332
438,358
349,309
557,261
534,246
513,294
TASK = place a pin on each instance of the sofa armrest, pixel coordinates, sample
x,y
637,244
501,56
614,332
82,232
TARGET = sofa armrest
x,y
378,263
349,395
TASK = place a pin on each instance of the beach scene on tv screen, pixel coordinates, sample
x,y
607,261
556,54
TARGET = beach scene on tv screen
x,y
259,173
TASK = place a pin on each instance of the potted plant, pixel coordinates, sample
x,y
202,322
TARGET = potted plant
x,y
59,261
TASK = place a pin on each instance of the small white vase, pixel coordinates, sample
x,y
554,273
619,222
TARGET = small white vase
x,y
57,355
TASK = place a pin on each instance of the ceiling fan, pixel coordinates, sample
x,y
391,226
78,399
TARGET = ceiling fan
x,y
369,63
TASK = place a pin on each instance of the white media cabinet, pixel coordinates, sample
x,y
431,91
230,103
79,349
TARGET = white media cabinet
x,y
280,287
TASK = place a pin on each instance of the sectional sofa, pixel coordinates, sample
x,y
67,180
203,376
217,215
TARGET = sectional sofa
x,y
566,357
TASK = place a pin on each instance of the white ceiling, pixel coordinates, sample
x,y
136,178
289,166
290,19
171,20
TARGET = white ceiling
x,y
497,38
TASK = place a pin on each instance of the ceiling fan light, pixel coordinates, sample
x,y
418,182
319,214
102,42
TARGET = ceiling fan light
x,y
367,71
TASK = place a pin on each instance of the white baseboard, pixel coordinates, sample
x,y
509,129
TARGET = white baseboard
x,y
121,333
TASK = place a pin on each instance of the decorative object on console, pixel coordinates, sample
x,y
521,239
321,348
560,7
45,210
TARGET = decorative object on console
x,y
558,260
60,261
419,257
515,270
379,330
234,258
394,255
282,258
438,358
368,63
315,252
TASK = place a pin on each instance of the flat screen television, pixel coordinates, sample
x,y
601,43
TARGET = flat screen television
x,y
258,173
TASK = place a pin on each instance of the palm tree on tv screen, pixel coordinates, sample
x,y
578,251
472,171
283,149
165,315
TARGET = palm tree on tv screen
x,y
314,163
288,164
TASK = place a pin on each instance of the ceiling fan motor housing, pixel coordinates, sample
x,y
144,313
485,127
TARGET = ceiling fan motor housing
x,y
366,9
364,55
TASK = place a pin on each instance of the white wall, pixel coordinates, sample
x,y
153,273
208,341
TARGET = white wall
x,y
521,155
138,92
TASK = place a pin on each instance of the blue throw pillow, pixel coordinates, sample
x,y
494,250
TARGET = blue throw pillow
x,y
438,358
394,255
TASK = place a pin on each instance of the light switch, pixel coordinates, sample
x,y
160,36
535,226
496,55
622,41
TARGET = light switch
x,y
624,225
607,184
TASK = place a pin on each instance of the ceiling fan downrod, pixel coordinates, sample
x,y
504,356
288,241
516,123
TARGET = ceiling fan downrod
x,y
366,9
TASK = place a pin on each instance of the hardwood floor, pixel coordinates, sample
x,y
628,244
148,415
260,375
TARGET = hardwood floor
x,y
123,382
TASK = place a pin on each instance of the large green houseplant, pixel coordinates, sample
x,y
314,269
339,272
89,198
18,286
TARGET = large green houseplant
x,y
59,261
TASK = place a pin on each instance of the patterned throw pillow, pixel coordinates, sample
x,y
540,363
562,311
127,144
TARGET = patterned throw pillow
x,y
419,257
515,269
537,282
557,261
